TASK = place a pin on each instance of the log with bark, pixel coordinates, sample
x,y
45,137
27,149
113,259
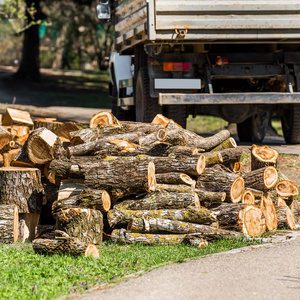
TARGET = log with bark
x,y
11,145
63,131
28,223
103,118
152,225
248,198
263,156
9,157
5,136
23,187
295,209
286,188
16,116
64,245
9,223
285,217
175,135
231,155
160,119
261,179
190,214
174,178
227,144
268,208
83,223
217,179
49,123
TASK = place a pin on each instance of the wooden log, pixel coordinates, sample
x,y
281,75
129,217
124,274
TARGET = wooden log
x,y
11,145
190,214
175,135
70,188
252,221
21,159
212,158
268,208
43,146
174,178
263,156
128,178
103,118
88,198
231,155
286,188
82,223
262,179
9,156
248,198
49,123
17,130
84,136
215,179
9,223
23,187
92,250
63,131
159,119
22,139
295,209
5,136
152,225
285,217
15,116
227,144
28,226
65,244
145,128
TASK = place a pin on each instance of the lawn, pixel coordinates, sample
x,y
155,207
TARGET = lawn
x,y
26,275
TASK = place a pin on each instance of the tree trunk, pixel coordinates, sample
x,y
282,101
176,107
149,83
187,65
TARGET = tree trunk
x,y
262,179
152,225
190,214
268,208
82,223
286,188
263,156
252,221
9,223
215,179
23,187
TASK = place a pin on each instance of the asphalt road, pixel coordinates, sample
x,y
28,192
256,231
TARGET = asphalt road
x,y
268,272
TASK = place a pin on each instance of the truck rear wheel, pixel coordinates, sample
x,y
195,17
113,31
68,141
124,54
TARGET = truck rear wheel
x,y
291,124
146,107
177,113
254,128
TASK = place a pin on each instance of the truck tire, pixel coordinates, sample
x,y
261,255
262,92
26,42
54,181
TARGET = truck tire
x,y
254,128
146,107
177,113
290,123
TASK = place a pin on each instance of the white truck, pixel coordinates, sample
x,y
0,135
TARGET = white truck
x,y
235,59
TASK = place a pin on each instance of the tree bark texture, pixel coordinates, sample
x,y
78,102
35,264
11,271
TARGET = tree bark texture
x,y
227,144
217,180
262,179
190,214
48,123
9,223
231,155
285,217
82,223
23,187
173,178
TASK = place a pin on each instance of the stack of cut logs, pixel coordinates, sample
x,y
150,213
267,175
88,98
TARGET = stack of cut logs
x,y
136,182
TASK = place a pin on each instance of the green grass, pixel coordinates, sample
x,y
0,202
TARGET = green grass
x,y
205,124
26,275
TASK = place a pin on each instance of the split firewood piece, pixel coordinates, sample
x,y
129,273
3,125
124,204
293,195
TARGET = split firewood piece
x,y
191,214
69,188
295,209
129,177
10,146
63,131
248,198
263,156
103,118
88,198
252,221
17,130
21,158
43,146
153,225
15,116
197,241
84,136
28,223
92,250
125,237
9,156
23,187
285,217
261,179
268,208
280,202
174,178
5,136
159,119
174,135
61,245
49,123
227,144
286,188
216,179
83,223
231,155
22,139
9,223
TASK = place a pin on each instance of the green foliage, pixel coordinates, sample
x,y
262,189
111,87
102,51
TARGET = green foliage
x,y
26,275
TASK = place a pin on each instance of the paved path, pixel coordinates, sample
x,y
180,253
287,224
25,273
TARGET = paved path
x,y
268,272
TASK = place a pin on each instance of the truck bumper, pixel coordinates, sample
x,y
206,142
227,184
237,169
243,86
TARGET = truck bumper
x,y
229,98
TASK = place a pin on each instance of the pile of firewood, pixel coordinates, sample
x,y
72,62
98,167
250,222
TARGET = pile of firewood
x,y
136,182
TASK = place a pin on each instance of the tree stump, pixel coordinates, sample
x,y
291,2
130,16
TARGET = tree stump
x,y
23,187
9,223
